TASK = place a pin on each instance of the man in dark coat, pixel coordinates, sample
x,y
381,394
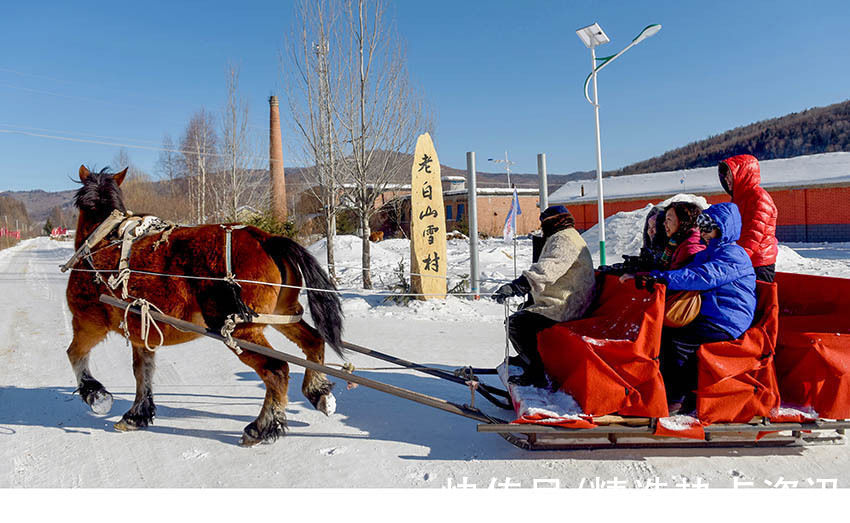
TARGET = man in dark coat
x,y
561,284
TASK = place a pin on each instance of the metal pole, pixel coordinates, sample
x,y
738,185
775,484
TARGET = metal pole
x,y
541,180
472,204
514,254
508,169
599,195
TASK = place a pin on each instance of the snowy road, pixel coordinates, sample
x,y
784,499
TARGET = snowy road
x,y
205,397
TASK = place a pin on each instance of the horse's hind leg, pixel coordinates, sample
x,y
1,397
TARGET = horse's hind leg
x,y
142,412
316,386
92,392
271,422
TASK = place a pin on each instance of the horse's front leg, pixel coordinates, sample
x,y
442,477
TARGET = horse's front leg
x,y
92,392
142,412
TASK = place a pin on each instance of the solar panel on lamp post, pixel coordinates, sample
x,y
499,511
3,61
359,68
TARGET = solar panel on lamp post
x,y
593,36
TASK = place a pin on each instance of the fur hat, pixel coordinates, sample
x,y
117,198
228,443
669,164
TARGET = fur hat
x,y
552,211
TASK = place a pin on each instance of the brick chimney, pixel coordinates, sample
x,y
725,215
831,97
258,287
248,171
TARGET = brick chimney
x,y
278,183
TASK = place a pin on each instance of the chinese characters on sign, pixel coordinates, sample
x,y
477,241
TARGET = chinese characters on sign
x,y
428,223
649,483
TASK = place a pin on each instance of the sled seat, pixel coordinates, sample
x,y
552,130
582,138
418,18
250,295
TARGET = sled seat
x,y
608,360
813,346
737,378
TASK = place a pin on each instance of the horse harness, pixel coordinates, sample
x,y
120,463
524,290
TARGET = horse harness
x,y
129,228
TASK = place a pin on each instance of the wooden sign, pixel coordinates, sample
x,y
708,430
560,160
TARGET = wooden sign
x,y
427,223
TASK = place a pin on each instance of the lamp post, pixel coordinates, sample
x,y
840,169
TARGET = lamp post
x,y
507,163
593,36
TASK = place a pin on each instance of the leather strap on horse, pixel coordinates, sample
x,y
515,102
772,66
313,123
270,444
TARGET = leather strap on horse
x,y
102,231
129,231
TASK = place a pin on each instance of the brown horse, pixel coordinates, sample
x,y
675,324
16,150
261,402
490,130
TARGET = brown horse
x,y
199,251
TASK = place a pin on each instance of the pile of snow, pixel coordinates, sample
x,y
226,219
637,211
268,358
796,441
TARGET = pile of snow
x,y
533,402
678,422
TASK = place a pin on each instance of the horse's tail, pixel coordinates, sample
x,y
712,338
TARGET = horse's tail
x,y
322,297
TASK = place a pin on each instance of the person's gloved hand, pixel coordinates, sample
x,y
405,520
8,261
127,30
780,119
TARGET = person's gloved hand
x,y
518,287
646,281
504,292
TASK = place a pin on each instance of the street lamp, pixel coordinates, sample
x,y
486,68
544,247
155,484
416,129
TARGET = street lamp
x,y
592,36
507,163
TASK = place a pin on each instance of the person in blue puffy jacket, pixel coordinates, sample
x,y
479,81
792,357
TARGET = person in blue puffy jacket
x,y
724,276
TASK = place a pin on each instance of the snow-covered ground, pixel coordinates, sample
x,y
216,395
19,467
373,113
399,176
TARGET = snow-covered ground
x,y
205,396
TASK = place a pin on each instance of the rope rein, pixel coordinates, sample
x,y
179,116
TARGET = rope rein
x,y
365,292
146,320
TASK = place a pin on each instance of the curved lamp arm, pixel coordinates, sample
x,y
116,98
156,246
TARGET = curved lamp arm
x,y
643,35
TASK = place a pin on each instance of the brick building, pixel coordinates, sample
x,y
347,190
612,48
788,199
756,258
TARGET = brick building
x,y
812,194
493,207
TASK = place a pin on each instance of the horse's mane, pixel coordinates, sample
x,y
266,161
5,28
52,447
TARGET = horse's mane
x,y
99,194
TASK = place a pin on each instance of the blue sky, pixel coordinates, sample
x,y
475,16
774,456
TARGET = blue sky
x,y
498,74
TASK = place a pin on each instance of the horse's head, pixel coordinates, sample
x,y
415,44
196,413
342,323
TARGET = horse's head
x,y
99,195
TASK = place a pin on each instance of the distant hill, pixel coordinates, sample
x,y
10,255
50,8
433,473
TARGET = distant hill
x,y
41,205
13,212
814,131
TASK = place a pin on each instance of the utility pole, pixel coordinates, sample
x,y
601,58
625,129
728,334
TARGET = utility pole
x,y
507,163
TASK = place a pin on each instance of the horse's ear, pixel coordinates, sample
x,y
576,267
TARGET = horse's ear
x,y
119,177
84,173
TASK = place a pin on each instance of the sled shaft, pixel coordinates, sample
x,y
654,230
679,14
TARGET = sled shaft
x,y
423,399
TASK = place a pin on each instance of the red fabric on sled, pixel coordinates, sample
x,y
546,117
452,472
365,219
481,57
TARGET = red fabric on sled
x,y
737,378
608,361
569,423
692,431
813,347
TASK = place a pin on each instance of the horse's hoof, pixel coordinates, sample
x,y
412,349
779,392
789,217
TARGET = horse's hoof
x,y
135,421
326,404
125,426
251,435
248,441
100,402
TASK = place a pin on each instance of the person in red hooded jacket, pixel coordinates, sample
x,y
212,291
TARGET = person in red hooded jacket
x,y
740,176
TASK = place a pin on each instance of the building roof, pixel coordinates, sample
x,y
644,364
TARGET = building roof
x,y
798,172
494,191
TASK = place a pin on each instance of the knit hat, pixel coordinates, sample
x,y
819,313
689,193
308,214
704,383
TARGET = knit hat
x,y
552,211
706,223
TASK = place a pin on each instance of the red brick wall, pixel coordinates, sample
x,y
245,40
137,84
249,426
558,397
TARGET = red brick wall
x,y
812,206
492,211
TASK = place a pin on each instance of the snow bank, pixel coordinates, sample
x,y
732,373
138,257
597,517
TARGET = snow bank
x,y
624,230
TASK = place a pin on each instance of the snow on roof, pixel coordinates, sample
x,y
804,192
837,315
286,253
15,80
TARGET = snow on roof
x,y
818,169
493,191
454,178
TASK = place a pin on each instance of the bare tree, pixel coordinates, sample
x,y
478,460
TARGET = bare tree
x,y
232,187
168,165
382,113
200,156
313,84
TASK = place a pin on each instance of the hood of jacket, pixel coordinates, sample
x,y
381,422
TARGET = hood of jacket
x,y
728,218
745,170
